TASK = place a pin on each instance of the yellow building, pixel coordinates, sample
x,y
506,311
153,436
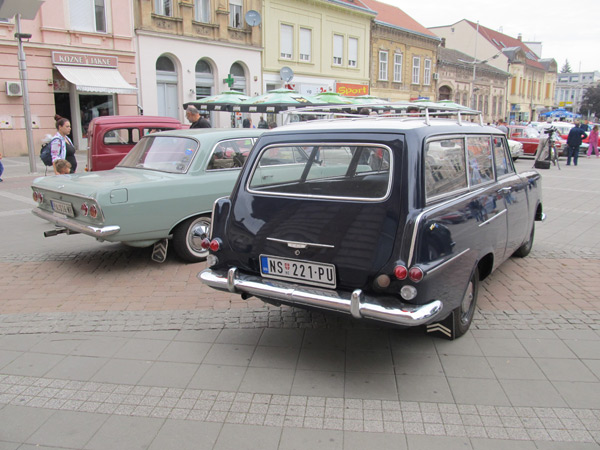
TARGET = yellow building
x,y
322,45
403,55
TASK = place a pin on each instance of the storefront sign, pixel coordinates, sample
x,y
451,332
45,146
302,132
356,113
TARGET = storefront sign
x,y
352,90
84,59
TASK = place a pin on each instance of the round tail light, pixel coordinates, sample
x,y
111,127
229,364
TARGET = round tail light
x,y
205,243
38,197
415,274
93,211
215,245
400,272
85,209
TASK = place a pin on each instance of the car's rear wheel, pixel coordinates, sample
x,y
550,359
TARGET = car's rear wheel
x,y
525,249
188,236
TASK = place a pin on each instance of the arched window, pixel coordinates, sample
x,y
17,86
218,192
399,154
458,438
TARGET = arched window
x,y
204,79
445,93
239,77
166,87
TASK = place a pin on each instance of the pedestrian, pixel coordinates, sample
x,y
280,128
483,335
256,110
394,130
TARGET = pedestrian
x,y
262,123
247,123
585,126
576,135
593,143
197,121
63,148
1,168
502,126
61,167
272,125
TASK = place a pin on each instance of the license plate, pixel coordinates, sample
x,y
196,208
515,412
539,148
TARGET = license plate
x,y
316,274
62,207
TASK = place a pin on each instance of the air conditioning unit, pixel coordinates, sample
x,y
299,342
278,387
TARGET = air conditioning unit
x,y
436,76
14,88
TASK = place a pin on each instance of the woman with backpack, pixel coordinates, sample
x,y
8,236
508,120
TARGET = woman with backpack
x,y
61,146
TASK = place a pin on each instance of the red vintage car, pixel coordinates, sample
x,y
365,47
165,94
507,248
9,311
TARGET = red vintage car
x,y
110,138
530,138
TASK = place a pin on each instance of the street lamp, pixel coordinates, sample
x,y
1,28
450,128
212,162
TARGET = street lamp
x,y
474,63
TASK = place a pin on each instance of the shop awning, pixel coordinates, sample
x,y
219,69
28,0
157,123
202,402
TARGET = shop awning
x,y
96,79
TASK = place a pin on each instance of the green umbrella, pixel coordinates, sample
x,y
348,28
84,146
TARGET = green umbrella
x,y
368,99
220,102
274,101
332,98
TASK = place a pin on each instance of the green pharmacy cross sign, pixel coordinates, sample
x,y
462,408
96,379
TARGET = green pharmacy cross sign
x,y
229,80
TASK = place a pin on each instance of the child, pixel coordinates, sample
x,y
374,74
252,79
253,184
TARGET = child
x,y
62,167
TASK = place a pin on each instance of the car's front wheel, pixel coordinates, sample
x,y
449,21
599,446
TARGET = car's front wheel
x,y
188,236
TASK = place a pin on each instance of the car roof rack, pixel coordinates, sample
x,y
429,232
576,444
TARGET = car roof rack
x,y
401,110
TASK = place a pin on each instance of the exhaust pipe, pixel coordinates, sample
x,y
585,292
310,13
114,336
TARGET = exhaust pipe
x,y
57,231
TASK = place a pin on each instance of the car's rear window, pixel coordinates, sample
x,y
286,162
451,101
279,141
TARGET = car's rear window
x,y
316,170
172,154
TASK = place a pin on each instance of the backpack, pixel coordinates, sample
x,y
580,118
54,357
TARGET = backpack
x,y
46,153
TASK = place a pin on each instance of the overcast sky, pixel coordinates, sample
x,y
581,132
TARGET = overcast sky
x,y
567,30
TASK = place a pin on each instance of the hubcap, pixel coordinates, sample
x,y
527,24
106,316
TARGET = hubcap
x,y
198,231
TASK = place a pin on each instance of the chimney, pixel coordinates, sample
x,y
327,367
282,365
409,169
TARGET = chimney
x,y
520,37
443,44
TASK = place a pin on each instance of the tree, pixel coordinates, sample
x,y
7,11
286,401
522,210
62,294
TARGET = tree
x,y
566,68
591,102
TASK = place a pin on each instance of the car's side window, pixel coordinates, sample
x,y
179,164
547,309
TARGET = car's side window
x,y
480,160
502,159
229,154
122,136
445,167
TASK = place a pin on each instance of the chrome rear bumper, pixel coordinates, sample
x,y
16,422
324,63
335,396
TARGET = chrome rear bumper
x,y
97,232
356,303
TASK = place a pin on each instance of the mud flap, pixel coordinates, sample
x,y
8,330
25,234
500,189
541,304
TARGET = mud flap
x,y
444,328
159,251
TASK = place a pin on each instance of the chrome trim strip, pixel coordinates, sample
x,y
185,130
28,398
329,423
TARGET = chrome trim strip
x,y
97,232
359,305
296,244
447,261
492,218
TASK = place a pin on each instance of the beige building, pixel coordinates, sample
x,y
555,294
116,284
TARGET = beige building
x,y
322,44
403,56
80,64
486,91
190,49
531,86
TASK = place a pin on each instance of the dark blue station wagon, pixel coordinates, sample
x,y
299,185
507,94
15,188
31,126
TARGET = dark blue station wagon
x,y
390,219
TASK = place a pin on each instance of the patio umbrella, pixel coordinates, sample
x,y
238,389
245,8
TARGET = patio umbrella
x,y
367,100
274,101
220,102
332,98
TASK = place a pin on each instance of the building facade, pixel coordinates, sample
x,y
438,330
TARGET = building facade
x,y
80,64
532,82
403,56
484,90
323,45
191,49
571,87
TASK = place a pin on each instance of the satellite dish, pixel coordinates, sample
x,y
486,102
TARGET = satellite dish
x,y
286,74
252,18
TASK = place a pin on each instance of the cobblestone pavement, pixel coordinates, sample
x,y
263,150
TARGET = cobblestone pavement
x,y
101,348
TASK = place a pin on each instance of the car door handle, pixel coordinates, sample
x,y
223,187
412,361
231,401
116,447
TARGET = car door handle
x,y
505,190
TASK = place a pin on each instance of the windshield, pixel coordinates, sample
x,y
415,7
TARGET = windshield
x,y
531,133
171,154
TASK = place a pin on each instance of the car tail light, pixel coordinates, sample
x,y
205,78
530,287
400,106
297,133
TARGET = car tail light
x,y
93,211
215,245
85,209
400,272
205,244
38,197
415,274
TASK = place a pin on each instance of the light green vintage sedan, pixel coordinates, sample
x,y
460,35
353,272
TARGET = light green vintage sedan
x,y
162,190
